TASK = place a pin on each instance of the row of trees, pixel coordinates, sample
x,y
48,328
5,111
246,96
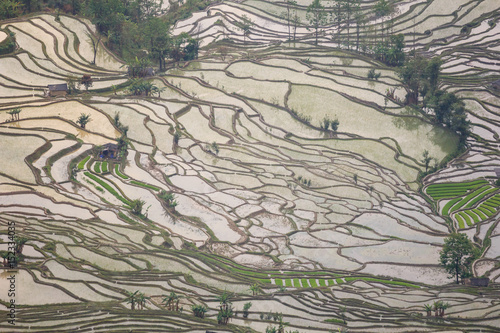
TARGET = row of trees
x,y
345,14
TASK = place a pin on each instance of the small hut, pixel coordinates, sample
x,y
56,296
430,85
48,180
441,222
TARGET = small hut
x,y
497,172
56,90
496,85
109,151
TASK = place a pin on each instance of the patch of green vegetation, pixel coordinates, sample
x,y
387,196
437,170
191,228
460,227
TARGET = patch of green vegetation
x,y
117,171
107,187
334,321
97,167
104,167
81,165
135,182
446,208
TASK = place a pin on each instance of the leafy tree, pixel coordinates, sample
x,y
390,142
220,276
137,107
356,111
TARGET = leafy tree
x,y
83,120
449,110
414,77
246,307
335,125
19,243
316,15
457,255
10,9
87,81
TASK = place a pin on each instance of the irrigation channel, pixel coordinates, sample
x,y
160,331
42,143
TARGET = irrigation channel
x,y
335,228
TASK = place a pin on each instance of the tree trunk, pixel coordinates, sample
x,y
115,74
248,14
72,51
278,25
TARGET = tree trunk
x,y
456,269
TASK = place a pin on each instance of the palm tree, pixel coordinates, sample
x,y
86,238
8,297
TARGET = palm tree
x,y
437,307
132,299
199,310
141,300
83,120
255,289
443,307
428,309
172,301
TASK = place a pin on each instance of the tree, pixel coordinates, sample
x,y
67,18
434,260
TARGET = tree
x,y
316,15
136,206
426,159
95,44
288,15
457,255
172,301
338,16
87,81
244,25
255,289
246,307
14,113
132,298
83,120
225,308
199,310
20,241
10,9
428,309
382,9
141,87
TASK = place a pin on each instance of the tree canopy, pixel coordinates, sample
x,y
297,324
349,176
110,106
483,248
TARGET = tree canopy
x,y
457,255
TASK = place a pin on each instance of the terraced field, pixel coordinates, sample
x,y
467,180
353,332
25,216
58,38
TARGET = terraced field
x,y
335,227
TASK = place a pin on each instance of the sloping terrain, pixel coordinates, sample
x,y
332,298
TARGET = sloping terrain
x,y
330,224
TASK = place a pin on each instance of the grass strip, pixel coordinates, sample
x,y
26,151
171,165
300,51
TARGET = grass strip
x,y
468,198
448,205
296,283
97,167
473,216
288,282
485,210
104,167
107,187
117,171
305,283
135,182
460,220
466,219
480,214
81,165
479,197
398,283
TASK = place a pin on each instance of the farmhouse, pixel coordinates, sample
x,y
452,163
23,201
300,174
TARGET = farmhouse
x,y
56,90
